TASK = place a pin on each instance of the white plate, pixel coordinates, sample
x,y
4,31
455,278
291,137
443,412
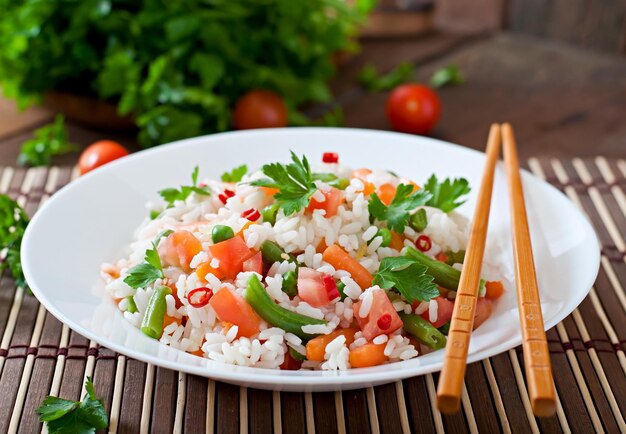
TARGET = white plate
x,y
92,220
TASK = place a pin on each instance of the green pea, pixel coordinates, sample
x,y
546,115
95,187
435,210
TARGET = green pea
x,y
419,220
269,213
221,233
290,283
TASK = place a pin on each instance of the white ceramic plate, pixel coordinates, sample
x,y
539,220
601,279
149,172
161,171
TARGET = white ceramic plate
x,y
92,220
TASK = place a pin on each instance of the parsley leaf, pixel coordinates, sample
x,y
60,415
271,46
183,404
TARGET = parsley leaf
x,y
406,276
236,174
171,195
147,272
372,80
64,416
446,195
49,140
294,182
447,75
397,213
13,222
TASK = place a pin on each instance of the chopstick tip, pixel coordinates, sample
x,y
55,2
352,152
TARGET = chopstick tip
x,y
448,404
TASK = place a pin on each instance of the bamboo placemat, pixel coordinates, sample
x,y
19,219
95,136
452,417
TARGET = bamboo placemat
x,y
41,356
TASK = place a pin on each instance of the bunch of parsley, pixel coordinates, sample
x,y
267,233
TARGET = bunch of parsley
x,y
13,222
176,66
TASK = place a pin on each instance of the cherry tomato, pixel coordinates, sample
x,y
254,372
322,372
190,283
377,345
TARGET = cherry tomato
x,y
99,153
260,109
413,108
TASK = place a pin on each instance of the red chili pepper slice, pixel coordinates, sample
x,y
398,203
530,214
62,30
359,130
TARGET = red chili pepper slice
x,y
384,322
330,157
423,243
199,297
251,214
223,197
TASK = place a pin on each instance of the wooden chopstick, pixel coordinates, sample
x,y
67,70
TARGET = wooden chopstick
x,y
536,355
451,378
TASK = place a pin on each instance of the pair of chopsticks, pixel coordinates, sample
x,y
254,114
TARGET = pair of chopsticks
x,y
536,356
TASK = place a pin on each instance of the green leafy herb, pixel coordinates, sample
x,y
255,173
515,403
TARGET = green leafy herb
x,y
147,272
236,174
177,70
171,195
406,276
397,214
446,75
372,80
446,195
294,182
72,417
49,140
13,222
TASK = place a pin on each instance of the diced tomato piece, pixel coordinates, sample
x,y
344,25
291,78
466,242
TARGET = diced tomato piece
x,y
441,257
316,347
444,312
381,306
290,364
483,311
255,263
314,288
334,198
386,192
231,253
179,248
234,309
494,289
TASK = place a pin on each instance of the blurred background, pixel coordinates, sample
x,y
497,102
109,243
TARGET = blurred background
x,y
144,73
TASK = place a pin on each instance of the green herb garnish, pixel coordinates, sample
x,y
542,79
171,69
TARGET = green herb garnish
x,y
49,140
372,80
397,214
406,276
13,222
144,274
447,75
447,194
236,174
171,195
63,416
294,182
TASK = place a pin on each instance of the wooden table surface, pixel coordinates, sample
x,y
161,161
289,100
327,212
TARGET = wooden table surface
x,y
563,102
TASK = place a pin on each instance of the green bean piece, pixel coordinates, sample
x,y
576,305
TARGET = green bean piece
x,y
340,183
445,329
221,233
152,323
443,274
276,315
296,355
455,257
290,283
269,213
272,252
419,220
424,331
132,307
340,287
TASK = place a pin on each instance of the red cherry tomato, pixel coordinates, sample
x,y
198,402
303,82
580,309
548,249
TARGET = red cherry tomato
x,y
413,108
260,109
99,153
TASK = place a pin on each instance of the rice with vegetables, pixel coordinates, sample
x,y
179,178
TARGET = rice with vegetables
x,y
295,268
